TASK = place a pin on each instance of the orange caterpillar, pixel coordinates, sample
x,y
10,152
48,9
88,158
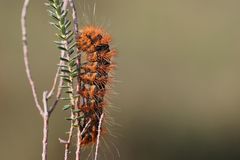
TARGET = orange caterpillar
x,y
94,42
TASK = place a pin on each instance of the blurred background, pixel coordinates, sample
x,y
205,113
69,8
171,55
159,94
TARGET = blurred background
x,y
178,72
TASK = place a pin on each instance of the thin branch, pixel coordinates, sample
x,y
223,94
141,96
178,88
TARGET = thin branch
x,y
65,4
78,149
54,84
45,105
59,91
77,104
79,138
84,129
25,55
98,136
45,127
58,95
74,16
68,142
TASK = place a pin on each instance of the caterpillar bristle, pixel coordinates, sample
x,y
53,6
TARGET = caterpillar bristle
x,y
95,78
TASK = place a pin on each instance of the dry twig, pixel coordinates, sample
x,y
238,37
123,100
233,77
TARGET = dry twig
x,y
98,136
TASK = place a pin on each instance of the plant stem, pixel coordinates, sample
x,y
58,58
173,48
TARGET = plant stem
x,y
67,144
45,137
98,136
25,54
78,62
45,126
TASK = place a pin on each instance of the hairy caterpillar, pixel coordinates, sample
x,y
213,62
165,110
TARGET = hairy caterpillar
x,y
95,43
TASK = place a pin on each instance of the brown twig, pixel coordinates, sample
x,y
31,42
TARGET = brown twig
x,y
74,16
78,149
98,136
84,129
25,55
67,144
59,91
45,126
54,83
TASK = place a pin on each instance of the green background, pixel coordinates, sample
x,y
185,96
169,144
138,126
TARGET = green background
x,y
178,89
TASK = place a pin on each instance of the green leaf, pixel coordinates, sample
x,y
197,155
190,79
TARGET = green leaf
x,y
63,29
59,43
64,59
62,48
67,80
47,4
51,12
63,76
72,64
70,52
74,74
65,98
55,25
76,125
76,95
76,110
79,117
68,118
66,107
69,34
53,6
61,4
62,20
74,57
63,65
69,92
67,23
64,14
63,37
74,70
65,70
70,40
54,16
72,46
65,87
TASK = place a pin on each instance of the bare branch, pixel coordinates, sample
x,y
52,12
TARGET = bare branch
x,y
54,84
68,142
65,4
25,55
45,138
45,105
98,136
79,139
84,129
59,91
45,127
74,16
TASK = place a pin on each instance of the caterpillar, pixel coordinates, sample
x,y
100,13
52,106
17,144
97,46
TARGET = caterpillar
x,y
94,42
